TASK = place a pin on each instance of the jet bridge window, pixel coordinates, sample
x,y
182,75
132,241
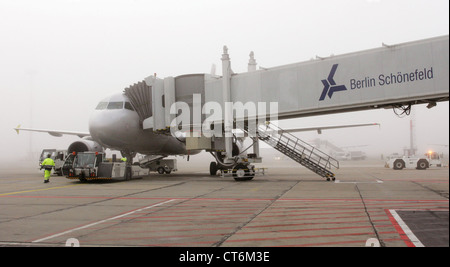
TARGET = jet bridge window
x,y
115,105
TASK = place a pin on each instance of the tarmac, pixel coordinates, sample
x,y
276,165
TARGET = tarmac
x,y
367,205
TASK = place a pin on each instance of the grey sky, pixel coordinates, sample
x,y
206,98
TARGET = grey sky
x,y
58,58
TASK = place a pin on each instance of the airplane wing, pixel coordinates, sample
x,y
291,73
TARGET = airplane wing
x,y
319,128
53,132
84,134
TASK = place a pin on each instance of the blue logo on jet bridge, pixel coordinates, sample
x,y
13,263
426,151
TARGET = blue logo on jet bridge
x,y
330,86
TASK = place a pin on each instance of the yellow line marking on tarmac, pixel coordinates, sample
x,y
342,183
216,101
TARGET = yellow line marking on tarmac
x,y
37,190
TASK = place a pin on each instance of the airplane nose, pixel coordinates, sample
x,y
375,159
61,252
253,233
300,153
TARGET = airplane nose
x,y
100,126
112,127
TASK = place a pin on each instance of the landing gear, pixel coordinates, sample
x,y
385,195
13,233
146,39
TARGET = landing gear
x,y
128,173
213,168
242,172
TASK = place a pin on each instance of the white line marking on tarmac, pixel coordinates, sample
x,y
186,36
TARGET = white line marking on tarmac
x,y
406,229
100,222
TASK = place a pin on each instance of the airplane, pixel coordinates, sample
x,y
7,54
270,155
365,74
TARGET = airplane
x,y
114,124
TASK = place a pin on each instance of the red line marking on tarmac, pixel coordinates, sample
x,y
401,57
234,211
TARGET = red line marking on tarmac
x,y
157,237
312,223
310,214
189,216
313,229
168,231
307,236
175,210
194,220
324,218
399,229
335,243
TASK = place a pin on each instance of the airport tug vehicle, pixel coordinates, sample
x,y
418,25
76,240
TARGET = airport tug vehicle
x,y
430,159
87,166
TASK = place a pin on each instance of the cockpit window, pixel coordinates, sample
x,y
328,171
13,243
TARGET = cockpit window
x,y
115,105
102,105
129,106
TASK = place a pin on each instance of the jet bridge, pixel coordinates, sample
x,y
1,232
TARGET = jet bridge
x,y
392,76
389,76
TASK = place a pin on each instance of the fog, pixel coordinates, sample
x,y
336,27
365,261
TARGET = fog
x,y
59,58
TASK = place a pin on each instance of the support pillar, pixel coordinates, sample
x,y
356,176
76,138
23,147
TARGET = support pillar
x,y
227,105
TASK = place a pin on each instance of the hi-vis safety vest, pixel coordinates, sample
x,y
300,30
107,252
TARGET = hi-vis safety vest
x,y
48,164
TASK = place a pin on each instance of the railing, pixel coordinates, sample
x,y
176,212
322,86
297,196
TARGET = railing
x,y
295,147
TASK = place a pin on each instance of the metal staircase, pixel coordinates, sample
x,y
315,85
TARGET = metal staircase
x,y
298,150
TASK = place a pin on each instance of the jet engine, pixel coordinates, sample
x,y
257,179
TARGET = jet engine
x,y
85,145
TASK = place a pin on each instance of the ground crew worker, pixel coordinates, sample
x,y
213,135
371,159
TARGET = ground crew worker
x,y
48,165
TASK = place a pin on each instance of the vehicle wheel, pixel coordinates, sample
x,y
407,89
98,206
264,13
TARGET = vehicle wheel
x,y
161,170
399,164
242,173
82,178
213,168
422,164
